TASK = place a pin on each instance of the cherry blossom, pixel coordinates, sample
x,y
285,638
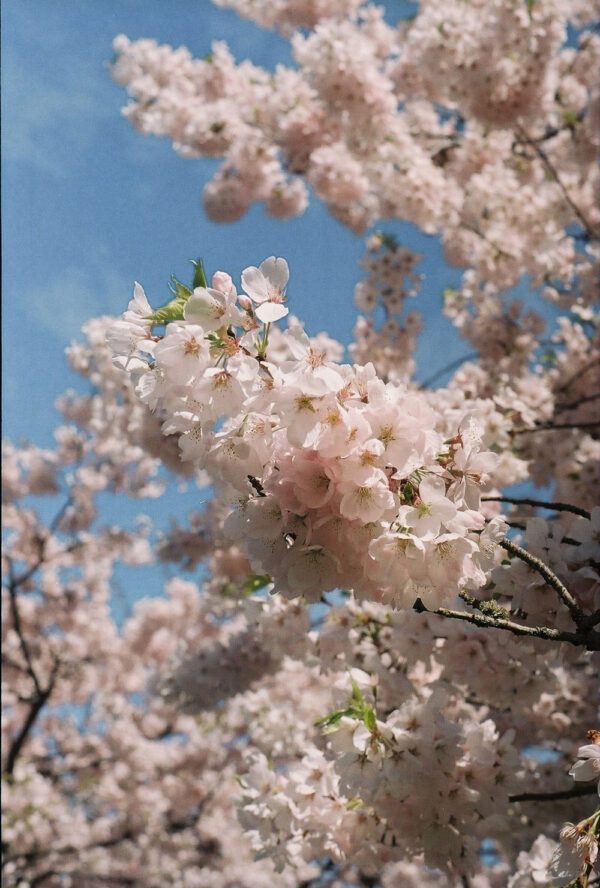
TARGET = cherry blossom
x,y
266,287
381,663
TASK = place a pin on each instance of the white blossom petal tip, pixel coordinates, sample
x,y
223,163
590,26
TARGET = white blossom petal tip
x,y
271,311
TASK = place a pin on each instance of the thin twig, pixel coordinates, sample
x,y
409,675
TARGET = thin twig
x,y
590,640
585,399
544,571
499,251
551,427
451,366
16,618
554,173
36,706
521,501
567,541
20,579
578,374
550,132
574,793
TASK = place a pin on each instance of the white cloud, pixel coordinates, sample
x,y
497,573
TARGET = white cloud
x,y
62,305
54,105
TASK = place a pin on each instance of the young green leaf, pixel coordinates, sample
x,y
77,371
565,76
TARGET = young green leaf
x,y
255,582
199,275
172,311
369,719
334,717
357,696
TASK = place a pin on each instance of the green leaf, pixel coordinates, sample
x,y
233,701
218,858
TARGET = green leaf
x,y
369,718
172,310
255,582
354,803
179,290
570,118
334,717
357,696
199,276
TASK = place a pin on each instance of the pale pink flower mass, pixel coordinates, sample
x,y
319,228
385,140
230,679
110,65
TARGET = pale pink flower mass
x,y
383,661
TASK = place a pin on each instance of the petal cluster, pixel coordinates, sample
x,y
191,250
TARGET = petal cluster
x,y
333,477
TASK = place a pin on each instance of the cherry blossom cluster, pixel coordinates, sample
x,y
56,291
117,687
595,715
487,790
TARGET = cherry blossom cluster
x,y
340,479
342,797
388,688
388,691
289,15
102,782
386,788
439,726
390,280
477,122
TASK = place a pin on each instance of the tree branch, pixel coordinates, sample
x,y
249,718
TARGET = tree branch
x,y
582,638
550,577
551,427
16,617
451,366
554,173
574,793
578,374
520,501
585,399
36,706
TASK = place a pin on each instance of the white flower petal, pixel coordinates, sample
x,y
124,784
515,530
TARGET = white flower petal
x,y
255,284
277,271
271,311
139,304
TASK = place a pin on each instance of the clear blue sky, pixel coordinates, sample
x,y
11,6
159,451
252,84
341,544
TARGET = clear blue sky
x,y
89,205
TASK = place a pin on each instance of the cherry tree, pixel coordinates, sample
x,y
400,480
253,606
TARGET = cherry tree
x,y
395,659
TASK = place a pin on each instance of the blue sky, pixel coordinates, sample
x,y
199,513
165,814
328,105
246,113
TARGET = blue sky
x,y
89,205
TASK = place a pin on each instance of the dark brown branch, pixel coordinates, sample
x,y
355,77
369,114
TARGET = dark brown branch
x,y
520,501
39,853
41,543
574,793
20,579
554,173
549,576
550,133
518,525
551,427
587,639
585,399
36,706
107,880
578,374
16,617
